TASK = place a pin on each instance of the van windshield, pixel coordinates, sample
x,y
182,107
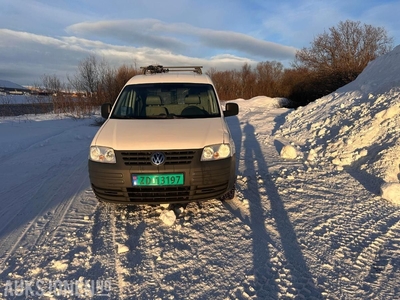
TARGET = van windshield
x,y
167,100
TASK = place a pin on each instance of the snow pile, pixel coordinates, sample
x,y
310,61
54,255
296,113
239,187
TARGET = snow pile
x,y
391,191
168,217
288,152
261,101
380,76
122,248
358,125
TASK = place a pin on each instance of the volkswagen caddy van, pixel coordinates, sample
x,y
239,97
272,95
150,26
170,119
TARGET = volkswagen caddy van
x,y
165,140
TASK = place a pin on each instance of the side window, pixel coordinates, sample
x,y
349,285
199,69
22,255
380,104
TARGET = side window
x,y
209,101
214,103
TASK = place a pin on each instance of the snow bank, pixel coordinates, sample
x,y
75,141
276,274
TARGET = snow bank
x,y
24,99
380,76
261,101
288,152
122,248
358,125
391,191
168,217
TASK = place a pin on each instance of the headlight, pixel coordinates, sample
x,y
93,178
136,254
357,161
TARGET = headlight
x,y
102,154
215,152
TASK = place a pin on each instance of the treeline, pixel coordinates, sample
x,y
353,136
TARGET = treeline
x,y
271,79
334,59
94,83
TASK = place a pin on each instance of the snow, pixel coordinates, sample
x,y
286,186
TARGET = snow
x,y
391,191
168,217
122,248
324,224
288,152
24,99
356,126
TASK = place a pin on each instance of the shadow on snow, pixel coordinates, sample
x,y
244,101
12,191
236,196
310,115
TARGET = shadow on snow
x,y
265,273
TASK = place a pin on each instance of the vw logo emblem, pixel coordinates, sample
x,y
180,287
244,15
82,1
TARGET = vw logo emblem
x,y
158,158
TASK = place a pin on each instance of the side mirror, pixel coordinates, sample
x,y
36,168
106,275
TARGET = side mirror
x,y
105,110
231,109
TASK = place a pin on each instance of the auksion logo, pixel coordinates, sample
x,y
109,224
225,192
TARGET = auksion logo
x,y
80,288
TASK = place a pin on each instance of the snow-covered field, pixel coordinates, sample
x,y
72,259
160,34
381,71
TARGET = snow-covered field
x,y
23,99
324,224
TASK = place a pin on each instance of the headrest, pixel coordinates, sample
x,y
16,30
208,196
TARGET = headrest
x,y
192,99
153,100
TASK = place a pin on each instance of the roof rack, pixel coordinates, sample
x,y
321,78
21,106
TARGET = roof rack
x,y
160,69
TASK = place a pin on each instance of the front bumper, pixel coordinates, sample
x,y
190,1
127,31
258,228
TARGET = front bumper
x,y
203,180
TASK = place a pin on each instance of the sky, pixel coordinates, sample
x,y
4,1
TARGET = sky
x,y
41,37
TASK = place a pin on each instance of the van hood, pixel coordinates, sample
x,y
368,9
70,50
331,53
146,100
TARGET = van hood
x,y
160,134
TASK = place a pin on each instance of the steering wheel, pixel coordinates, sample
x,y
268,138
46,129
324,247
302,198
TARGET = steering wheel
x,y
193,111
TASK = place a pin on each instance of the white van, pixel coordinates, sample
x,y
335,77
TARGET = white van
x,y
165,140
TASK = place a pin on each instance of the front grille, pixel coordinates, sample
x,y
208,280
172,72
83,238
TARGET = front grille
x,y
159,194
142,158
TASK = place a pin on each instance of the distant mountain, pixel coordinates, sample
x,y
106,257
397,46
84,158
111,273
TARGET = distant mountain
x,y
5,84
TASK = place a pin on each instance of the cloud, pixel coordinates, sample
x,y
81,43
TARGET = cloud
x,y
132,32
182,38
26,57
246,44
45,37
32,55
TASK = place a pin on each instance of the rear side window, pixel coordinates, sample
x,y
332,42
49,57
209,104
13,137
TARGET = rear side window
x,y
167,100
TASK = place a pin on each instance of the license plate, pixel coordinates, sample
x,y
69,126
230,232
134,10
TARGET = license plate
x,y
157,179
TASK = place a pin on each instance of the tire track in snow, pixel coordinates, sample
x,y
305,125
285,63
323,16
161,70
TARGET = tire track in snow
x,y
117,263
355,241
185,259
376,263
45,139
63,257
335,229
40,202
53,195
78,180
104,249
83,247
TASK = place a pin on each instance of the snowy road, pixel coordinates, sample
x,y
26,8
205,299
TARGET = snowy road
x,y
291,233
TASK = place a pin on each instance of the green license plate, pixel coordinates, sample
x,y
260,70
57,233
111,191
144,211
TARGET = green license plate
x,y
157,179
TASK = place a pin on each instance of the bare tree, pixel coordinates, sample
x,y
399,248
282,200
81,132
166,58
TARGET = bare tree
x,y
248,81
88,76
337,57
227,83
269,75
112,81
52,84
345,49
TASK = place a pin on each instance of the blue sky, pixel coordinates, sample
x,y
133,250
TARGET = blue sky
x,y
50,37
